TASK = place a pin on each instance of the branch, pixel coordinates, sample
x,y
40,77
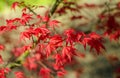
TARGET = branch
x,y
57,2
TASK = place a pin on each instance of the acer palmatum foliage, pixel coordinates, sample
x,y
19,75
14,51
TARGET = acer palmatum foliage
x,y
48,51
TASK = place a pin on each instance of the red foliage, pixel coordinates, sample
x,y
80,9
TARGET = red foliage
x,y
45,73
52,48
19,74
14,5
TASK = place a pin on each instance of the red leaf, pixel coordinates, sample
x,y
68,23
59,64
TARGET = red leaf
x,y
115,35
41,31
95,42
53,23
49,49
24,35
27,33
24,9
59,60
61,73
80,36
68,52
45,19
10,24
85,41
3,29
19,74
94,35
71,36
25,18
14,5
2,47
45,73
56,40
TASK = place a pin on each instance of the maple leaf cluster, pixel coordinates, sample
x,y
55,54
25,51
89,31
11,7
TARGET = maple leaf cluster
x,y
49,51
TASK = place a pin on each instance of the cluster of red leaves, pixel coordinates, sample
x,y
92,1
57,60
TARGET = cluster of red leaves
x,y
110,25
3,72
60,48
93,39
73,6
112,28
68,6
45,44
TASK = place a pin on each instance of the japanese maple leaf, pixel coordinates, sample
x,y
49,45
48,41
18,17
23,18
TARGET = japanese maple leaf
x,y
45,73
80,36
25,18
115,35
10,24
95,42
85,41
54,43
49,49
53,23
111,23
45,18
3,29
68,52
95,35
56,40
27,33
61,11
59,61
71,36
39,16
41,31
19,74
24,9
14,5
61,73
